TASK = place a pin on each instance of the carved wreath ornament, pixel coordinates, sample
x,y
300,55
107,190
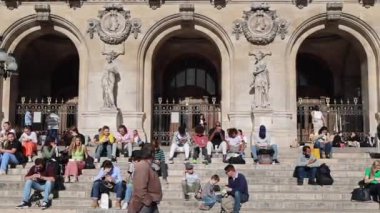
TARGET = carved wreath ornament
x,y
260,25
114,25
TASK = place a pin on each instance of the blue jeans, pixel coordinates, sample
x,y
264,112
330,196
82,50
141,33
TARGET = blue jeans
x,y
209,201
304,172
128,193
326,147
5,159
98,188
53,133
239,199
30,184
100,148
255,150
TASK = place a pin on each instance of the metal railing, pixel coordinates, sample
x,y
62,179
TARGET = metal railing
x,y
66,110
167,117
340,115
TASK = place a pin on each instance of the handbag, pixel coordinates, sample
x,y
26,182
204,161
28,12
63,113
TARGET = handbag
x,y
361,194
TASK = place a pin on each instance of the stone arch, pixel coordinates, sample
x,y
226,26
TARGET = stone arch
x,y
157,33
365,36
28,25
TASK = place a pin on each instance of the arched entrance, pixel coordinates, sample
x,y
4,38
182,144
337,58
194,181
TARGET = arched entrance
x,y
56,35
187,78
154,39
331,80
354,74
48,70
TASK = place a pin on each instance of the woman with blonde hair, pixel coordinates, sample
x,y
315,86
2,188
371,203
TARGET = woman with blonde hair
x,y
76,164
372,178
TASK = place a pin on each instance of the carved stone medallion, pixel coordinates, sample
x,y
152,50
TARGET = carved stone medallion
x,y
261,25
114,25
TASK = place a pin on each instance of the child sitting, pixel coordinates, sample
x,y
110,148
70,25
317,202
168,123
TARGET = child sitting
x,y
208,194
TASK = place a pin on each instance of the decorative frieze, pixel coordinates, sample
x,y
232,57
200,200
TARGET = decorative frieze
x,y
114,25
260,25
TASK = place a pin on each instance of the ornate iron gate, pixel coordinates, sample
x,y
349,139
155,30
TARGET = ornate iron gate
x,y
67,112
345,116
167,117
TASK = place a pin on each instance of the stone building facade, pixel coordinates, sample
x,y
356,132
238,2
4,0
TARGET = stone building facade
x,y
123,48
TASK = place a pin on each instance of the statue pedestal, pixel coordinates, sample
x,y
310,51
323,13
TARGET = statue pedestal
x,y
109,117
262,117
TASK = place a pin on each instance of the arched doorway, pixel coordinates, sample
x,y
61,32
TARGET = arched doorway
x,y
186,81
48,79
332,72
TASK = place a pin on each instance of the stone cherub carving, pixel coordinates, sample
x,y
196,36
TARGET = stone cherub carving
x,y
109,81
260,84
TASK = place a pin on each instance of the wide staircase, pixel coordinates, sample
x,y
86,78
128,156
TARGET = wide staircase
x,y
272,187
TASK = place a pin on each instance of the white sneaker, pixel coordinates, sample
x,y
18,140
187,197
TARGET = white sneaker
x,y
2,172
125,205
96,160
30,159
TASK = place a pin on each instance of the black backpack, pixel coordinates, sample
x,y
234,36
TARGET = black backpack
x,y
236,160
323,175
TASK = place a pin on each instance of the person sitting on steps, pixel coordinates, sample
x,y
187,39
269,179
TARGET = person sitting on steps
x,y
191,181
234,142
324,142
40,177
108,179
263,141
307,166
106,140
200,142
217,141
208,195
237,187
181,139
372,178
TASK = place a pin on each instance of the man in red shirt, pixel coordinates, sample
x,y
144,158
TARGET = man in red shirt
x,y
40,178
200,140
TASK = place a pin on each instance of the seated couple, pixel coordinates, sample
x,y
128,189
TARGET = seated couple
x,y
263,142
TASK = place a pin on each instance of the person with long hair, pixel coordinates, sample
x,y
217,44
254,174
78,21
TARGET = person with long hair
x,y
49,149
123,141
324,142
372,178
159,160
263,141
76,164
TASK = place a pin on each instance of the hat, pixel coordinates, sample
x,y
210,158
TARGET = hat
x,y
189,166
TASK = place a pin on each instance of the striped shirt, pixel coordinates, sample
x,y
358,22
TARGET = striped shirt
x,y
159,155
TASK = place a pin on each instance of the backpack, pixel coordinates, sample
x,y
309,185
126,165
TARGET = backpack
x,y
361,194
323,175
236,160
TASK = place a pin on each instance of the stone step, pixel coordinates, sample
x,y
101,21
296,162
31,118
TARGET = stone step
x,y
216,209
262,204
177,194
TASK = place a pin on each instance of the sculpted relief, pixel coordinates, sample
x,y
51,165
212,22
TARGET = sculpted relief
x,y
114,25
260,25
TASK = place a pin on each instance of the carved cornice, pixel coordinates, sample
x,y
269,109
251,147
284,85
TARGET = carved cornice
x,y
43,12
334,10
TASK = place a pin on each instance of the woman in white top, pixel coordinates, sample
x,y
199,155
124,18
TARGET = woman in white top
x,y
317,119
29,142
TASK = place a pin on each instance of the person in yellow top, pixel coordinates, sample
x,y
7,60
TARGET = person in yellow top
x,y
372,178
106,140
76,164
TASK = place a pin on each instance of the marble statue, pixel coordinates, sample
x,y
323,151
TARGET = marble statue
x,y
260,84
108,81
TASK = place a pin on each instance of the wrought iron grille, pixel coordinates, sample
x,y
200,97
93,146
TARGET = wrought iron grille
x,y
66,110
167,117
345,116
